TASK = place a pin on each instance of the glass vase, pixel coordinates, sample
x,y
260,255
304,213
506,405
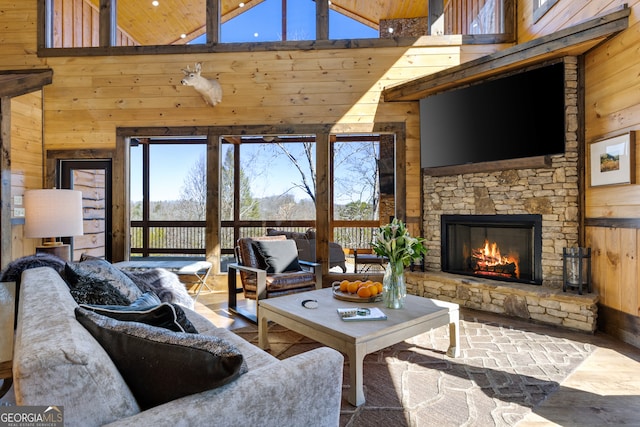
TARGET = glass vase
x,y
394,289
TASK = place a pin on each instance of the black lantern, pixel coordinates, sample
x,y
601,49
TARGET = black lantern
x,y
576,269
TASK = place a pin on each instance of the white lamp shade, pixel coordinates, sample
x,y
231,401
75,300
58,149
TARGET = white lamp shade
x,y
53,213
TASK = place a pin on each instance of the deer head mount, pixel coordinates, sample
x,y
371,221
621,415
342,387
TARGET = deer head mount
x,y
209,88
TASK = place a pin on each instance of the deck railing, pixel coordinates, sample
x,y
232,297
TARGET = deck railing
x,y
187,238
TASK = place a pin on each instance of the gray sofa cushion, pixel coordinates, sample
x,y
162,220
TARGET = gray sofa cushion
x,y
160,365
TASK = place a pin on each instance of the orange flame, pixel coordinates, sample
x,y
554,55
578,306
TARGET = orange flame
x,y
488,257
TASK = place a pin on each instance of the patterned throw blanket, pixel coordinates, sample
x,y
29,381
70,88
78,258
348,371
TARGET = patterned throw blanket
x,y
163,283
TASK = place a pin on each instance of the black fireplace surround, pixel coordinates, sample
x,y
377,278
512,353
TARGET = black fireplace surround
x,y
499,247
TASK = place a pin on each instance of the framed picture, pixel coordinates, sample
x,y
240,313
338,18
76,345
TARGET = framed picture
x,y
612,160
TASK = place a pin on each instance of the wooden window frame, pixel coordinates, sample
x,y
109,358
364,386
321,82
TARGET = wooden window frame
x,y
539,10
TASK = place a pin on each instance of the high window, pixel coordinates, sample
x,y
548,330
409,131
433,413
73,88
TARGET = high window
x,y
211,25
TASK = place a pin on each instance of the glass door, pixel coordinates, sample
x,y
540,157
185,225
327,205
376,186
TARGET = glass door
x,y
93,179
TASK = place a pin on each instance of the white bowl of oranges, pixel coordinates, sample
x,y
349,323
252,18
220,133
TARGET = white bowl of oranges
x,y
358,290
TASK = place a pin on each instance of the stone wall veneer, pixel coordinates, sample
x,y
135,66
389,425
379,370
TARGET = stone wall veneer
x,y
545,305
552,192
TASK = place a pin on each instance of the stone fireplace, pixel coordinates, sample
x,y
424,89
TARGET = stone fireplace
x,y
550,192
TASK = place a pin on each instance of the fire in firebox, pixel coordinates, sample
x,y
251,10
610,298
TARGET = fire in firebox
x,y
488,261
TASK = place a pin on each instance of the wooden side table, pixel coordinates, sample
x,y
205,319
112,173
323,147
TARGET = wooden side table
x,y
61,251
7,319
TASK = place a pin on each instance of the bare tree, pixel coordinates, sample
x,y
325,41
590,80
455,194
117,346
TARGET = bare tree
x,y
308,180
193,194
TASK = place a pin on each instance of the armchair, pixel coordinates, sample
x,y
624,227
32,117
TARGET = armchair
x,y
269,267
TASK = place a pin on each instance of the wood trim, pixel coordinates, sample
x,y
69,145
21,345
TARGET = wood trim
x,y
500,165
5,181
311,45
107,12
213,22
212,230
120,214
572,41
322,20
323,200
540,11
52,157
20,82
633,223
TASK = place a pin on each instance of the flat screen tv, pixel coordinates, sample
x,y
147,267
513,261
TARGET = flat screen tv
x,y
517,116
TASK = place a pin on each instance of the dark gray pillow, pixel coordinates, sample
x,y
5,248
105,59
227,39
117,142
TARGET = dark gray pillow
x,y
279,255
150,310
89,289
160,365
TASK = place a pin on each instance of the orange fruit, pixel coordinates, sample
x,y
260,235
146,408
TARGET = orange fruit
x,y
379,286
344,286
352,288
373,290
364,292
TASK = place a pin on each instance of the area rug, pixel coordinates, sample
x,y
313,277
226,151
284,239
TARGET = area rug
x,y
506,367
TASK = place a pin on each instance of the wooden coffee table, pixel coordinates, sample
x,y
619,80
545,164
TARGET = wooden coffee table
x,y
359,338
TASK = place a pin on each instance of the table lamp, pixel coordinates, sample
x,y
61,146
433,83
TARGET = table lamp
x,y
50,214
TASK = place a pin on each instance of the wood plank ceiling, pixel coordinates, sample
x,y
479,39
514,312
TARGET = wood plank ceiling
x,y
164,24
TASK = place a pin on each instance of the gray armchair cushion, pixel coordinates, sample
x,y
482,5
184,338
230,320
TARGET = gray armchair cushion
x,y
279,255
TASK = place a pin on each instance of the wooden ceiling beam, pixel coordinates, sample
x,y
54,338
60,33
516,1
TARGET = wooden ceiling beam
x,y
20,82
574,40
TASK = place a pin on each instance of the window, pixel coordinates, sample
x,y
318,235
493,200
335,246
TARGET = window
x,y
167,196
205,25
264,176
540,7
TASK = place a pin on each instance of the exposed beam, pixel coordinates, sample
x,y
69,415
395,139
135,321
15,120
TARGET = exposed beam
x,y
19,82
572,41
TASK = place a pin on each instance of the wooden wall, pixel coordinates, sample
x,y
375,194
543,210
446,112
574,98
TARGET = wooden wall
x,y
26,161
612,107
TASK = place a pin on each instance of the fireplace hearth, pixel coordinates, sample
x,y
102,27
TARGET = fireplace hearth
x,y
499,247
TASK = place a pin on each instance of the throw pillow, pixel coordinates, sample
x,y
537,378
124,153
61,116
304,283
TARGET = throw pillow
x,y
105,270
149,310
279,255
160,365
88,289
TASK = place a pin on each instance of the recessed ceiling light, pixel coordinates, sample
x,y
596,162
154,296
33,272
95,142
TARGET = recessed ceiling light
x,y
155,3
241,5
183,36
